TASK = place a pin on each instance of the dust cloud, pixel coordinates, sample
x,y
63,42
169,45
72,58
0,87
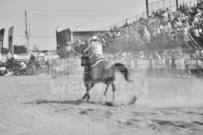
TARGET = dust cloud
x,y
162,92
183,93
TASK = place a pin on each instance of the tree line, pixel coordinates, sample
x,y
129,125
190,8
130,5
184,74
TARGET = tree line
x,y
17,49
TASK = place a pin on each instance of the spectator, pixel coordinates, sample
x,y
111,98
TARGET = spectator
x,y
22,68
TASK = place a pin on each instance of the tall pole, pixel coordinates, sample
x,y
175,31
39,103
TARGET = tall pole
x,y
27,34
177,5
163,3
147,7
157,5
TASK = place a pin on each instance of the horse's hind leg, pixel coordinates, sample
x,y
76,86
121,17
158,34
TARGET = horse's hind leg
x,y
107,86
113,88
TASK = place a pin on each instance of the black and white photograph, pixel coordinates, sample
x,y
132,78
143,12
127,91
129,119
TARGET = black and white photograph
x,y
101,67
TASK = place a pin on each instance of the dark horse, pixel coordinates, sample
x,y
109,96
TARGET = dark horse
x,y
107,76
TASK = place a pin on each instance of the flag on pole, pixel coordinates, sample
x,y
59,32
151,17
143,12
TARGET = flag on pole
x,y
1,39
10,39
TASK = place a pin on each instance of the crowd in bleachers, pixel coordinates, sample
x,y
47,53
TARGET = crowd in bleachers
x,y
162,25
164,22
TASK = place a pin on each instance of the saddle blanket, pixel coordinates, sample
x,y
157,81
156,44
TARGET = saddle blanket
x,y
96,59
97,65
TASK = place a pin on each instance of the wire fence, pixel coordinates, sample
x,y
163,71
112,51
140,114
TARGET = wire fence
x,y
183,68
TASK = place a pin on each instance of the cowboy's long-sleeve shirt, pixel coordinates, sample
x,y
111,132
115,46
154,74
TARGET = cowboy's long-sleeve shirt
x,y
95,48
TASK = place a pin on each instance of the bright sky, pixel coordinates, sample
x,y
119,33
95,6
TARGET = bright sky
x,y
44,16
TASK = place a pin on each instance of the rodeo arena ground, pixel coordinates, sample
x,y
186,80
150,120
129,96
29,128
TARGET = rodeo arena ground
x,y
155,87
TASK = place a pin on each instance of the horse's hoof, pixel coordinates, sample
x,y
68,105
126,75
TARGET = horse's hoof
x,y
88,100
79,100
132,102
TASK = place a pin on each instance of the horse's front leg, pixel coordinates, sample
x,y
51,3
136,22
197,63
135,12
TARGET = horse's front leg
x,y
113,88
88,88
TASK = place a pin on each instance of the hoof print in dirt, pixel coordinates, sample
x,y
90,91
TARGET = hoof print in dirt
x,y
128,123
125,122
109,103
83,112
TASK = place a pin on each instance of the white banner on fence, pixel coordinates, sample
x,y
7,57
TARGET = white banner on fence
x,y
180,64
159,64
192,64
142,63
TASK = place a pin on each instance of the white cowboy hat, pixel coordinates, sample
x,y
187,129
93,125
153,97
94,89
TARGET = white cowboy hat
x,y
41,54
94,38
22,63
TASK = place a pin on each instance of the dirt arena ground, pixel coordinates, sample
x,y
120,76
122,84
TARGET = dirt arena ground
x,y
40,105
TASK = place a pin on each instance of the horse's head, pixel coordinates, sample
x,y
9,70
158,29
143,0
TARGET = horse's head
x,y
85,60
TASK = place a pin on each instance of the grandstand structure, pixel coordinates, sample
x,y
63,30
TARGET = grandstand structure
x,y
167,24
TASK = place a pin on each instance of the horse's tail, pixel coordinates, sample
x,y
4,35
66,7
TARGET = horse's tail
x,y
124,70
